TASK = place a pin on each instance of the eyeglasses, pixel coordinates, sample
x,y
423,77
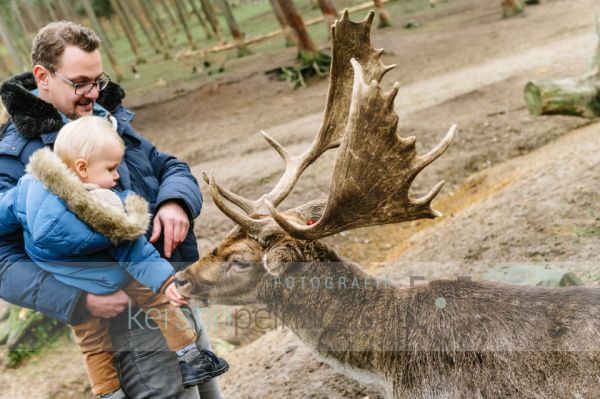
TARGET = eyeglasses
x,y
82,89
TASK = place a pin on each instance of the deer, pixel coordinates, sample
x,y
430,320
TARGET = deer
x,y
453,338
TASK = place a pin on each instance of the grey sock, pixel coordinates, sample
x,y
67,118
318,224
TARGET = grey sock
x,y
118,394
188,353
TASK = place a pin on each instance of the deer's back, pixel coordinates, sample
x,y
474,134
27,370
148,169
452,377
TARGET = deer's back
x,y
469,339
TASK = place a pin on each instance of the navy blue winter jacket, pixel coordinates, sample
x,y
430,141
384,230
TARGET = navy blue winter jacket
x,y
154,175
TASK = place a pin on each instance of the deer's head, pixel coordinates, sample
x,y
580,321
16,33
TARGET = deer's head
x,y
369,185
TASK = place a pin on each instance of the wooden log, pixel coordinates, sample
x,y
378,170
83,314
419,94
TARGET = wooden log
x,y
576,96
25,332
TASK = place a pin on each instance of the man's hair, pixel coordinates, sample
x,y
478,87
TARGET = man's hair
x,y
85,137
50,42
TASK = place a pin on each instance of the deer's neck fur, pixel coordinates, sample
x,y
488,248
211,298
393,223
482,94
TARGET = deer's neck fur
x,y
318,299
487,340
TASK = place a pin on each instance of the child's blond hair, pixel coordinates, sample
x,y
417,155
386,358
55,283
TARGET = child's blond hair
x,y
85,137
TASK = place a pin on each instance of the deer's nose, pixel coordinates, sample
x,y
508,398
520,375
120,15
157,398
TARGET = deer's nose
x,y
180,282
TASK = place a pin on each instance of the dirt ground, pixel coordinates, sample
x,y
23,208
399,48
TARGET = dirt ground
x,y
518,188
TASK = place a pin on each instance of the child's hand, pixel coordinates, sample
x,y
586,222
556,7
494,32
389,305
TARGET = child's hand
x,y
174,297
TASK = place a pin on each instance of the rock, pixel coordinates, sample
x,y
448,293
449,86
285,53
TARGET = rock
x,y
540,275
412,24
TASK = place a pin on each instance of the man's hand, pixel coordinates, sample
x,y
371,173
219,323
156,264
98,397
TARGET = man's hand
x,y
174,297
172,220
106,306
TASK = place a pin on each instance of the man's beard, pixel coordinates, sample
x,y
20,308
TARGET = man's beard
x,y
73,115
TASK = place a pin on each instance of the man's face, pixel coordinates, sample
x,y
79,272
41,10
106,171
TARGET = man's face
x,y
78,66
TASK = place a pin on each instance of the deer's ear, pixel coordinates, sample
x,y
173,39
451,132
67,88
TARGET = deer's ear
x,y
278,257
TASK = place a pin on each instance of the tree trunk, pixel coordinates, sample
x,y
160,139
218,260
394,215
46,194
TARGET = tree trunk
x,y
34,14
16,11
11,45
125,11
200,18
156,23
211,16
596,57
169,13
58,10
511,7
87,5
20,33
149,26
329,12
6,71
114,27
46,4
68,10
577,96
290,39
238,36
131,11
32,26
182,19
306,46
384,19
127,28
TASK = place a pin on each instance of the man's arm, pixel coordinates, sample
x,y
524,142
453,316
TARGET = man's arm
x,y
179,200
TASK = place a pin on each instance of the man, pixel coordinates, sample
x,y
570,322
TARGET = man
x,y
68,82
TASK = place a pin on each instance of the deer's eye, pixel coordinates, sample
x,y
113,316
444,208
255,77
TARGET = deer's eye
x,y
239,265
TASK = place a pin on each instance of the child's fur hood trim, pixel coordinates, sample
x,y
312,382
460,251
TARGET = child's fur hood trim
x,y
118,225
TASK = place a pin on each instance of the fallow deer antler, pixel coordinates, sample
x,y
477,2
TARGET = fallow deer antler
x,y
373,171
355,44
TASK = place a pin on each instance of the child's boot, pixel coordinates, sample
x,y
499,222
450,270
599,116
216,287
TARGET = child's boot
x,y
199,365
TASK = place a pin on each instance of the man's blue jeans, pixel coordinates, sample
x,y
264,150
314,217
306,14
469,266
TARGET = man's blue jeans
x,y
148,369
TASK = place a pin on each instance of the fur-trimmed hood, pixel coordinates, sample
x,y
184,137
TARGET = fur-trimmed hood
x,y
118,225
33,116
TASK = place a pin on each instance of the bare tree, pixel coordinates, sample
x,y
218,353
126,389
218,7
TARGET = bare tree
x,y
16,12
11,45
157,24
68,10
129,32
306,46
131,11
169,13
290,39
38,12
329,11
201,19
211,16
4,68
236,33
108,50
384,19
47,6
180,8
